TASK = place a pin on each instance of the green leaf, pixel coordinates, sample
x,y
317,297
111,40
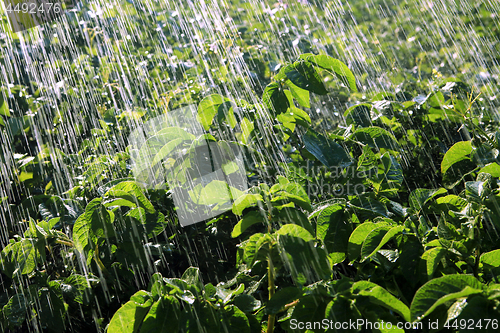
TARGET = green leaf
x,y
419,197
192,276
380,296
491,258
328,152
295,230
432,258
306,262
246,201
255,248
300,116
215,192
293,216
130,191
334,229
163,316
281,298
248,220
359,114
246,303
15,310
358,236
301,95
78,288
493,169
235,320
456,153
166,150
310,308
452,202
226,113
84,237
4,107
130,316
376,137
335,67
378,238
208,108
304,76
274,98
477,191
367,206
247,128
441,290
290,192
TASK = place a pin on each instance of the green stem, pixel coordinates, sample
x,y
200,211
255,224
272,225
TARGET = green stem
x,y
99,262
270,275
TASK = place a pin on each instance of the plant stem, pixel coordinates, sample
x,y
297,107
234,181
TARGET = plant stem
x,y
270,275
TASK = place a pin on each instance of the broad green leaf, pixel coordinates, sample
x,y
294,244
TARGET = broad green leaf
x,y
192,276
293,216
432,258
19,257
275,99
78,286
378,238
367,206
166,150
216,192
492,168
163,316
247,129
359,114
82,229
376,137
295,231
328,152
306,262
335,67
300,116
310,308
226,113
4,107
235,320
248,220
358,236
246,201
15,310
130,316
130,191
452,202
334,229
255,248
246,303
441,290
491,258
382,297
477,191
281,298
304,75
208,108
458,152
419,197
301,95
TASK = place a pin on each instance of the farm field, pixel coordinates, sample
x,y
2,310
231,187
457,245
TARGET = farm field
x,y
249,166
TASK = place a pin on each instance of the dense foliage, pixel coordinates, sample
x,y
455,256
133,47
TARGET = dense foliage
x,y
363,203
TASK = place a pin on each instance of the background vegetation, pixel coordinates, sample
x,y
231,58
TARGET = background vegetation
x,y
401,95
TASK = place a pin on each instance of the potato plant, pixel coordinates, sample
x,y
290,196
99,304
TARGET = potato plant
x,y
386,213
